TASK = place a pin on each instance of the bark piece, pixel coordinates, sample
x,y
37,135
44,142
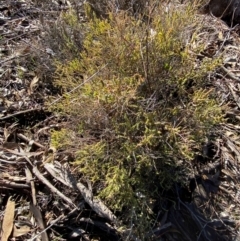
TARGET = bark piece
x,y
98,206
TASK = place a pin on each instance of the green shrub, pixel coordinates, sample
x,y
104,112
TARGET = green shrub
x,y
61,139
146,110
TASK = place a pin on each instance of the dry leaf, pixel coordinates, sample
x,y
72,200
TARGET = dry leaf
x,y
38,216
8,103
8,219
20,231
220,36
33,85
5,132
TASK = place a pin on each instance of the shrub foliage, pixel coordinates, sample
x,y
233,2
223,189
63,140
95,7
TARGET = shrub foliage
x,y
146,111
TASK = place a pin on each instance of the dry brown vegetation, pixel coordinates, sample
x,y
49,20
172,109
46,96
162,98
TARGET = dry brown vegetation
x,y
119,121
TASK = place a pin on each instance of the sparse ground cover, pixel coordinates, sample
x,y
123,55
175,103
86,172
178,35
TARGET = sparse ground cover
x,y
119,122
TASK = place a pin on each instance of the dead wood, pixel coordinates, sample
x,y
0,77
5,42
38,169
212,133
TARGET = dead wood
x,y
52,188
97,205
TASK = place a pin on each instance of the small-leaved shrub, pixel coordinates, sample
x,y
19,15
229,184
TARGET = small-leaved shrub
x,y
146,111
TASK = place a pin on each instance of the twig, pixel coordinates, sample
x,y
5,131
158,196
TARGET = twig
x,y
229,193
13,57
96,204
21,136
193,215
224,42
18,36
32,46
53,223
13,184
46,127
52,188
196,219
22,154
236,98
11,162
30,180
102,225
19,113
38,216
230,74
159,231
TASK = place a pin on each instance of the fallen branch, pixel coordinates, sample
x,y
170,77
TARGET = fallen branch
x,y
96,204
44,230
29,178
19,113
13,184
24,138
102,225
38,216
51,187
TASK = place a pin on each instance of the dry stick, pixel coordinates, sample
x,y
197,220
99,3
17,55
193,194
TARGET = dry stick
x,y
229,193
96,204
26,155
13,57
157,232
84,82
196,219
30,180
21,136
43,231
32,46
230,74
52,188
17,36
235,97
11,184
19,113
193,216
38,216
11,162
